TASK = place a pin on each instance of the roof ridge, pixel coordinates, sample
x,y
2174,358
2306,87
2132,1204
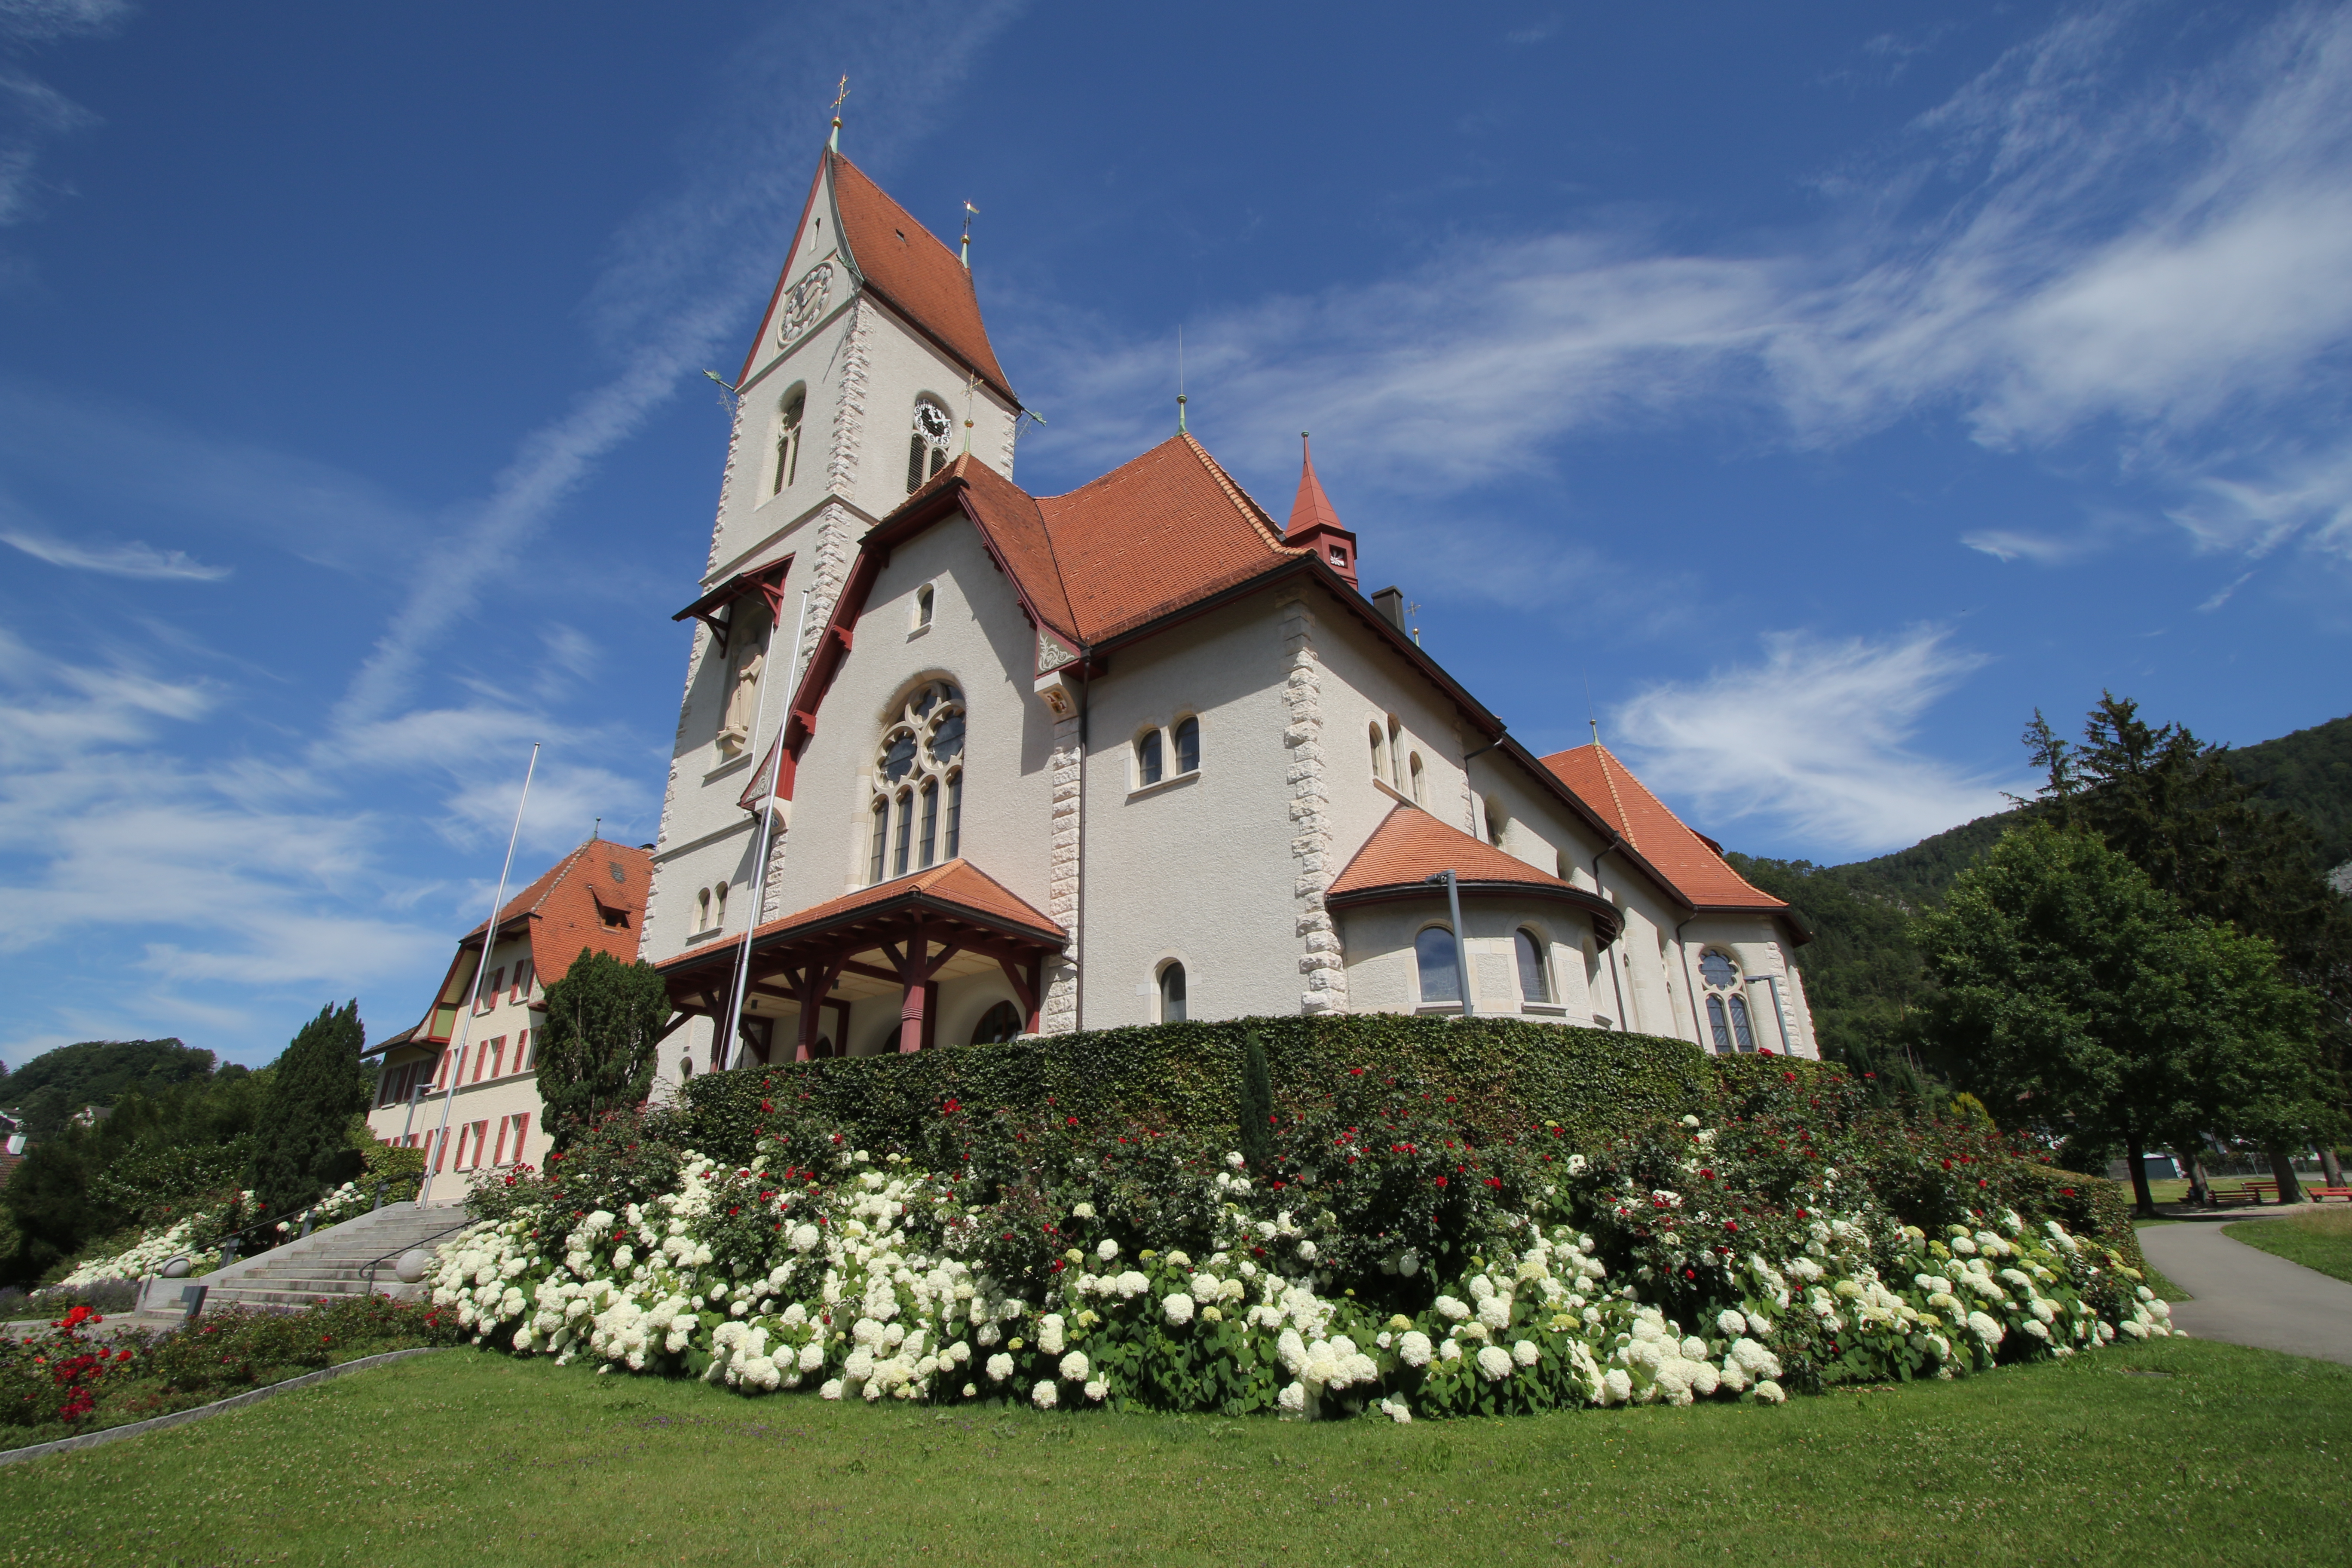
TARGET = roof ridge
x,y
1624,822
1258,515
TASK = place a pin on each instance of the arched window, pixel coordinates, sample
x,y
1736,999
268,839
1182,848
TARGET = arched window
x,y
788,439
918,760
1188,746
1171,995
997,1024
702,909
685,1066
1380,753
1498,820
1147,758
719,905
1396,750
1535,971
923,603
1420,781
1441,976
1727,1004
927,444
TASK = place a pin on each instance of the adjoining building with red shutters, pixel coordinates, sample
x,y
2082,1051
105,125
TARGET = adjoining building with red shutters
x,y
1137,753
594,898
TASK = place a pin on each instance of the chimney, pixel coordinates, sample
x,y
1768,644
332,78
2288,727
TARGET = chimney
x,y
1390,603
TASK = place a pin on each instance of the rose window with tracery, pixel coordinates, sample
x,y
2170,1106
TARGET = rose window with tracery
x,y
915,817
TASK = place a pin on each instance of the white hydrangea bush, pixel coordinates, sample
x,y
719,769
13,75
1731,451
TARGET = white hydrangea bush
x,y
194,1236
865,1281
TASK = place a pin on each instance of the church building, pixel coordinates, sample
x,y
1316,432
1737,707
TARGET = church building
x,y
969,763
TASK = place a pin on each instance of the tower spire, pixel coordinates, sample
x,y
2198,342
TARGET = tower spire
x,y
833,143
1181,427
969,212
1315,523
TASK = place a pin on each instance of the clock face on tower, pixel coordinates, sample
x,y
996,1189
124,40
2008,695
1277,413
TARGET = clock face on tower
x,y
804,304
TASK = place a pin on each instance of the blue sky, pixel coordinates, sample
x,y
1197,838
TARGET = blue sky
x,y
1825,397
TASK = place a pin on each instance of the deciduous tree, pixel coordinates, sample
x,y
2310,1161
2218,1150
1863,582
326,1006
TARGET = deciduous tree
x,y
2084,1000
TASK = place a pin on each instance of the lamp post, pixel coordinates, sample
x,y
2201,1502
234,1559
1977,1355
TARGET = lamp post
x,y
1461,950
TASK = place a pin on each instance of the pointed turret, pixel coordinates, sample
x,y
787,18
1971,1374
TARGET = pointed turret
x,y
1315,523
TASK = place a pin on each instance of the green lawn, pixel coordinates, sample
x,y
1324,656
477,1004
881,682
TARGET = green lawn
x,y
2181,1453
2321,1239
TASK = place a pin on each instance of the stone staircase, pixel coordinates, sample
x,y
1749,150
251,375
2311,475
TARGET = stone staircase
x,y
327,1263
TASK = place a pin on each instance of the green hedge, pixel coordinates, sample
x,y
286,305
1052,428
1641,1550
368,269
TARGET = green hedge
x,y
1597,1084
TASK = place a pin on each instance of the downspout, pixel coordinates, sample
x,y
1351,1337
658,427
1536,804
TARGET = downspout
x,y
732,1039
1078,981
1615,983
1460,947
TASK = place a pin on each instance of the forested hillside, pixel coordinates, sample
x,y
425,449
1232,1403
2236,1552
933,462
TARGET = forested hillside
x,y
50,1088
1861,974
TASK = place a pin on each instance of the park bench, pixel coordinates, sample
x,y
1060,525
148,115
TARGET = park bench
x,y
2319,1195
2245,1193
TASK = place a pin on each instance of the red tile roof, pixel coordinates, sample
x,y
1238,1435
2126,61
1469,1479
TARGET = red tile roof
x,y
1699,874
1158,533
1313,508
1410,847
563,906
907,265
957,884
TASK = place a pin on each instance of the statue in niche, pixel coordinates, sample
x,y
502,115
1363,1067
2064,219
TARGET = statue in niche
x,y
743,697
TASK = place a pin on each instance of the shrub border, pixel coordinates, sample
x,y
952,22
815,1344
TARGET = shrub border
x,y
217,1407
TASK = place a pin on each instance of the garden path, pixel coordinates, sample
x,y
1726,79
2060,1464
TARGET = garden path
x,y
2247,1297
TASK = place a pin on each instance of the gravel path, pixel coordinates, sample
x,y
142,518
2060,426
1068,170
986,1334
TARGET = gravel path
x,y
2246,1296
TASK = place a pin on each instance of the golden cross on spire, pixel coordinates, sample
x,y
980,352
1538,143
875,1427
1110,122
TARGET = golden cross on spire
x,y
836,112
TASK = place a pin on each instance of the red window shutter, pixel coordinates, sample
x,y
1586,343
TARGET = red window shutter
x,y
440,1152
522,1134
498,1055
521,981
500,1157
523,1058
490,991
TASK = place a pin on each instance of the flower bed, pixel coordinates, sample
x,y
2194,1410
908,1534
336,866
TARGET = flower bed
x,y
71,1380
1405,1252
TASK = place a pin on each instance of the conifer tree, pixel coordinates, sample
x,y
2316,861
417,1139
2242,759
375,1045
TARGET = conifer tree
x,y
1257,1107
303,1147
596,1050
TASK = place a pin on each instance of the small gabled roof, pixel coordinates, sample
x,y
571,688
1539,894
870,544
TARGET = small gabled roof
x,y
955,887
1693,864
1410,847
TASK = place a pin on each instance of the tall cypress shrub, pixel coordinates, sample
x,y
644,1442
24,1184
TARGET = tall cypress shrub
x,y
596,1050
1257,1105
303,1144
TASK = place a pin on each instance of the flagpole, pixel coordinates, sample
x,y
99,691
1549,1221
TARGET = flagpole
x,y
438,1145
767,829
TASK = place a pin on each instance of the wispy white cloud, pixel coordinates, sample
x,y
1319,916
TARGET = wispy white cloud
x,y
2004,544
134,559
2053,253
1816,737
2223,597
672,292
32,112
